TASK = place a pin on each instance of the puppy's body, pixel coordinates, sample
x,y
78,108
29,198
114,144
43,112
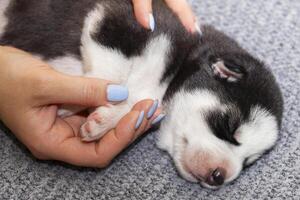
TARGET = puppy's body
x,y
224,107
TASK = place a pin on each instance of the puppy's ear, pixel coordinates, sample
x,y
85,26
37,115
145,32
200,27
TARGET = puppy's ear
x,y
228,71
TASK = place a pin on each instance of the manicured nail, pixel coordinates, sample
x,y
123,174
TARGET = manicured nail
x,y
158,119
116,93
197,27
152,109
139,120
151,22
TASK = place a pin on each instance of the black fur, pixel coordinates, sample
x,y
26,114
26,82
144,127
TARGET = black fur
x,y
224,125
53,28
50,28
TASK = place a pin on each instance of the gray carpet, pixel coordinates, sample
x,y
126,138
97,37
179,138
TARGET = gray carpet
x,y
271,31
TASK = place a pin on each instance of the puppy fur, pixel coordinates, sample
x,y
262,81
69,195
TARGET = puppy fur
x,y
223,106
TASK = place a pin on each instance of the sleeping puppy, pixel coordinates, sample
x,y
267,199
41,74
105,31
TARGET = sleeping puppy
x,y
223,106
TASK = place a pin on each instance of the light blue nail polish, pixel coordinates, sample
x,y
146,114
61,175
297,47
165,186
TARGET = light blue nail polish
x,y
139,120
152,109
198,29
117,93
151,22
158,119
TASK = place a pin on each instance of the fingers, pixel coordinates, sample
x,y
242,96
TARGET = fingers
x,y
185,14
127,130
99,154
12,50
64,89
143,13
119,138
157,117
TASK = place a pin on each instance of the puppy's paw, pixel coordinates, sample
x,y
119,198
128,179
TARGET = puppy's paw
x,y
102,120
94,128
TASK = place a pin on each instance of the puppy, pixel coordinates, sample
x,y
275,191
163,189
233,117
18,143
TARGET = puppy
x,y
223,106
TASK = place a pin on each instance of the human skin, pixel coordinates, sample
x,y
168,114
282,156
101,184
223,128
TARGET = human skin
x,y
142,9
31,91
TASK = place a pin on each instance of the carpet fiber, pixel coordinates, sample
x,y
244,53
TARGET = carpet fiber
x,y
268,29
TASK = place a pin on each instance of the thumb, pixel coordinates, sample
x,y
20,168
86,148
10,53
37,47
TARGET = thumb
x,y
64,89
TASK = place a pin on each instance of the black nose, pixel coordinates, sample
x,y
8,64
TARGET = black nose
x,y
216,178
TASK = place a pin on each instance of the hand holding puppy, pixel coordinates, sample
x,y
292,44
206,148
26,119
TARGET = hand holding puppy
x,y
31,91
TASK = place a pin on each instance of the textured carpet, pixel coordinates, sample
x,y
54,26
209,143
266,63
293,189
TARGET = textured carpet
x,y
271,31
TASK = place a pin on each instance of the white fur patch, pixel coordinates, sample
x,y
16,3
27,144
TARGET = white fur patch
x,y
147,70
257,135
185,109
141,74
67,64
3,19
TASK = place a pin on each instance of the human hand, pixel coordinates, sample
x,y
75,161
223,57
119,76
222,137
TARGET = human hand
x,y
143,13
31,91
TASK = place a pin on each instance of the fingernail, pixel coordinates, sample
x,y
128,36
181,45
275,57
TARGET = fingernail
x,y
139,120
197,27
151,22
117,93
152,109
158,119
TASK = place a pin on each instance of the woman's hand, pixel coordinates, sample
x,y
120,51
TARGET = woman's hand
x,y
30,91
143,13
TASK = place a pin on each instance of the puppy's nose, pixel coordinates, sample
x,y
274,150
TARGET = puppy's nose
x,y
216,177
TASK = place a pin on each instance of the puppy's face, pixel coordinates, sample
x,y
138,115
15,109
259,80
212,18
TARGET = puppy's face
x,y
214,130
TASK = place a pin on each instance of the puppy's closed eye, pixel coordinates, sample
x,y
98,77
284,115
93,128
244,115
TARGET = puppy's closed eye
x,y
224,125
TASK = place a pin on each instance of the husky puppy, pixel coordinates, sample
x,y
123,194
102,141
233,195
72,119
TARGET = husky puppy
x,y
223,106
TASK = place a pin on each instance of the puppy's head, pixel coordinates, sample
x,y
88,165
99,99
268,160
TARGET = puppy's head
x,y
223,117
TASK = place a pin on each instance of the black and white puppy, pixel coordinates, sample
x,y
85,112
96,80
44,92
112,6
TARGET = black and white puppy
x,y
223,106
